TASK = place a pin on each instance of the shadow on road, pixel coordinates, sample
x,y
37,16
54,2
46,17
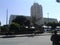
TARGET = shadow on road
x,y
7,36
31,35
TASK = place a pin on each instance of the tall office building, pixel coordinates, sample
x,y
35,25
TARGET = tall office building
x,y
36,11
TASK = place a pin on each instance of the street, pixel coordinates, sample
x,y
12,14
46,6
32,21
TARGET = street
x,y
33,40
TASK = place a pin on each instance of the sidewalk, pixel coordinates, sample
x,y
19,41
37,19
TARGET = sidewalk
x,y
26,35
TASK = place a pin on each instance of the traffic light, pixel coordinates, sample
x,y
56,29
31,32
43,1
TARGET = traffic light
x,y
58,0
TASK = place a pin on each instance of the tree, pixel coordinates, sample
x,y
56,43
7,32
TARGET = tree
x,y
27,23
37,27
4,29
20,20
58,23
52,24
14,27
0,27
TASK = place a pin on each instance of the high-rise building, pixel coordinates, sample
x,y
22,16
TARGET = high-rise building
x,y
37,13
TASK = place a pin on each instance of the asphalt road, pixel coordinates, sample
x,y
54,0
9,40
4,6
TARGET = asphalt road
x,y
26,40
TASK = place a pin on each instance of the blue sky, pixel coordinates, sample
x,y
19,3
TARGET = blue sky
x,y
22,7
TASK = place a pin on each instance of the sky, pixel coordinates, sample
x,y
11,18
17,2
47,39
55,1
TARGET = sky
x,y
51,8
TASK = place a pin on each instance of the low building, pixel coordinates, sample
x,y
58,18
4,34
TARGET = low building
x,y
45,20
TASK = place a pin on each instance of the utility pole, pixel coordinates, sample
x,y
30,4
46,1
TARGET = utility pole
x,y
48,20
7,29
48,17
7,16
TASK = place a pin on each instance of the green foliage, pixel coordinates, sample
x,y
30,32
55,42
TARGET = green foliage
x,y
27,23
50,31
4,29
20,20
37,27
15,24
52,24
14,27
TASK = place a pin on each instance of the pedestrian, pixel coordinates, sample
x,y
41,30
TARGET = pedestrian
x,y
55,38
